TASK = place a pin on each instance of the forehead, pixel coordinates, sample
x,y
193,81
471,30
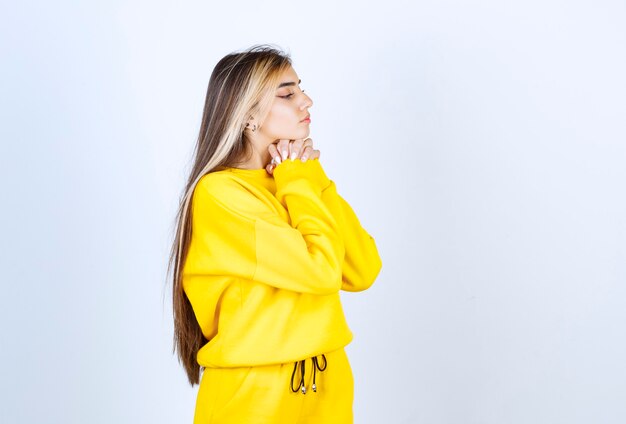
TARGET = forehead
x,y
289,75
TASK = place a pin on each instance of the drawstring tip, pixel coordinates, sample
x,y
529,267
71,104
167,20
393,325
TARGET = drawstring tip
x,y
301,385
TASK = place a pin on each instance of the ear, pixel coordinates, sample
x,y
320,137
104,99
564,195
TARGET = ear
x,y
251,124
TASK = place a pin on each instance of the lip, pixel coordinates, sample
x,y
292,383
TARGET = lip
x,y
307,119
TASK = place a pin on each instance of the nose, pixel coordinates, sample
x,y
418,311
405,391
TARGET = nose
x,y
306,102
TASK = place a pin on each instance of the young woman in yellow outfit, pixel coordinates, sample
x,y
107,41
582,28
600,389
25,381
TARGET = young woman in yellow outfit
x,y
263,245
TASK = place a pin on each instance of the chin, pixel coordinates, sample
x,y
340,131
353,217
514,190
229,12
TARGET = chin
x,y
294,135
300,134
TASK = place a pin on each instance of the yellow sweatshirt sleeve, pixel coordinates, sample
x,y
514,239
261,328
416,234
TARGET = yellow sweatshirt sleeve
x,y
362,263
239,234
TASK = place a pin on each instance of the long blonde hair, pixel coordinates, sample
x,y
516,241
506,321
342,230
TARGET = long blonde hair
x,y
242,85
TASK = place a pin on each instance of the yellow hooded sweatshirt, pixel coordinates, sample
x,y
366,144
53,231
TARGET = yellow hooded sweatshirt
x,y
267,258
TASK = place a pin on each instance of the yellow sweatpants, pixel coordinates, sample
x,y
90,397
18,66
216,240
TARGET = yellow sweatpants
x,y
263,394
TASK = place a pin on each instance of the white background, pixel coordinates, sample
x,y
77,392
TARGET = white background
x,y
481,143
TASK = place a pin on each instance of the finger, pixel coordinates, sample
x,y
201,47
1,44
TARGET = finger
x,y
315,155
295,149
308,143
274,153
283,148
269,168
306,153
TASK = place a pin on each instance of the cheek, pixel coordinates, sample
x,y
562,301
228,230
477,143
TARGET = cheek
x,y
281,115
281,120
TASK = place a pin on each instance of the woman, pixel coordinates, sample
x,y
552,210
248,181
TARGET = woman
x,y
263,246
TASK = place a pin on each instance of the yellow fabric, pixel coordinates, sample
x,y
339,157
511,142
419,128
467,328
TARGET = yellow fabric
x,y
267,258
261,394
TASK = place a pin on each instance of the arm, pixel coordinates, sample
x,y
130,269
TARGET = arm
x,y
236,233
362,262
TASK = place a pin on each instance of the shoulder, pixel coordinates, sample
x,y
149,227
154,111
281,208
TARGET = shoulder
x,y
219,183
228,192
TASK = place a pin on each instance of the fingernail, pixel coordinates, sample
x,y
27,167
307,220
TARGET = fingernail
x,y
277,159
285,154
304,158
293,155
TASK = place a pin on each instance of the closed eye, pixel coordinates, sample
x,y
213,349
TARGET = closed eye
x,y
288,96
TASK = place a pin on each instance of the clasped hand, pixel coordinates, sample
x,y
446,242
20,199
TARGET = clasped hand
x,y
282,150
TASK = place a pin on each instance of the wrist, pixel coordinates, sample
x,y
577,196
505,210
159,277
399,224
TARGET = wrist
x,y
310,169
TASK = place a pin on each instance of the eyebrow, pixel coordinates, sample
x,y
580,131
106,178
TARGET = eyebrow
x,y
287,84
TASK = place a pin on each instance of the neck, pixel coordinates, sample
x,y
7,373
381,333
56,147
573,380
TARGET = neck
x,y
258,159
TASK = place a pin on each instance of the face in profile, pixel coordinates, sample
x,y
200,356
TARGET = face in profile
x,y
287,118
